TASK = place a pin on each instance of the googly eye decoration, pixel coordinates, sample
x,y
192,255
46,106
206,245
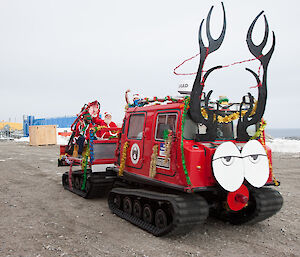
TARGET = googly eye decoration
x,y
228,167
256,163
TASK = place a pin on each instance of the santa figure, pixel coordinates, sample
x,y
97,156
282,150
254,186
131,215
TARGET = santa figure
x,y
94,110
109,124
137,101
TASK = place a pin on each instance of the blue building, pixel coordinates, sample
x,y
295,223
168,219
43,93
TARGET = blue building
x,y
60,122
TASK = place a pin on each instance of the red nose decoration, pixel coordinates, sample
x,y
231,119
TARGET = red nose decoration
x,y
238,199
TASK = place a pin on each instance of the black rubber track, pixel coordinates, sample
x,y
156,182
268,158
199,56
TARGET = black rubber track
x,y
187,210
263,203
97,184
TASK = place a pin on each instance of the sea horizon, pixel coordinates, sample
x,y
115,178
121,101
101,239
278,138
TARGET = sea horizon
x,y
289,133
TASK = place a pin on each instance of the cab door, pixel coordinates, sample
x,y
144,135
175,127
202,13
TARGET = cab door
x,y
164,121
135,138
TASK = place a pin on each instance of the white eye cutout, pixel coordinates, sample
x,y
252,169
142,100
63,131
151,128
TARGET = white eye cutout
x,y
256,163
228,167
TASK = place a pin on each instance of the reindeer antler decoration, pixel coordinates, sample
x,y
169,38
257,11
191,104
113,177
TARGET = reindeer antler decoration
x,y
195,108
256,50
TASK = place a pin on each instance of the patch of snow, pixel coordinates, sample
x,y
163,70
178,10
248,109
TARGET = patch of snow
x,y
284,145
22,139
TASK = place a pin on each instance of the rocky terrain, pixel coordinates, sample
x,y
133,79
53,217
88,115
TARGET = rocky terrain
x,y
39,218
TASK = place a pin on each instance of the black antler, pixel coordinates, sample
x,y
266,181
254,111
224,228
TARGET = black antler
x,y
195,108
256,50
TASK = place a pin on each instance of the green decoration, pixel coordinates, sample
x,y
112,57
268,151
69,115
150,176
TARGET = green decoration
x,y
186,103
84,166
166,133
223,99
260,130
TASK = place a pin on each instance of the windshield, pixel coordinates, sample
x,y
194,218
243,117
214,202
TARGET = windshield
x,y
225,131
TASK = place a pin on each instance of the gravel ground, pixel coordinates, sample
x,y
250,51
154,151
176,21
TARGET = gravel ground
x,y
39,218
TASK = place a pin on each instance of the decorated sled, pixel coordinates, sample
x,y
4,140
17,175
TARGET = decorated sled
x,y
178,160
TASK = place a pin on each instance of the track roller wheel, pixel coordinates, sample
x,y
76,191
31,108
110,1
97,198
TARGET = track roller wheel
x,y
161,220
93,185
127,205
159,213
137,209
147,213
117,201
77,183
65,180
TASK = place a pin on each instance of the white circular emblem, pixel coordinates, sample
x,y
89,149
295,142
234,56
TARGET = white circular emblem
x,y
135,153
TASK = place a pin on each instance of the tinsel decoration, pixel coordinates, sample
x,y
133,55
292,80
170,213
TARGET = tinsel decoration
x,y
155,100
70,175
221,119
123,158
186,104
263,142
168,143
84,164
231,117
97,129
152,169
91,144
260,130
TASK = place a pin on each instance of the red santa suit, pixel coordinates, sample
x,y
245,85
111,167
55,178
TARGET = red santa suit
x,y
109,124
98,121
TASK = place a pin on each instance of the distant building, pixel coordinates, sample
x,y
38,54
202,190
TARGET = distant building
x,y
10,129
60,122
11,125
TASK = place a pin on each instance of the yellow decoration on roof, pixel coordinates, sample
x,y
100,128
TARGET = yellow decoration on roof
x,y
231,117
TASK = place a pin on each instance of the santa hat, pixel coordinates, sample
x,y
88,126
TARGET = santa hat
x,y
94,103
107,113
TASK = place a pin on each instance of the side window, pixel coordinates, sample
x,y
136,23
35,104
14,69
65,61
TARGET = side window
x,y
136,125
164,122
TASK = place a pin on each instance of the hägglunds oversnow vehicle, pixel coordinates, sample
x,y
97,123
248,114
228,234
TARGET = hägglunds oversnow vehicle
x,y
177,160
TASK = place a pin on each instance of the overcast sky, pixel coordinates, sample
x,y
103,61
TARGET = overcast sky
x,y
57,55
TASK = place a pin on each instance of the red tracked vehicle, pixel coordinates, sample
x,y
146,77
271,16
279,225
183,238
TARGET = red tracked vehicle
x,y
178,160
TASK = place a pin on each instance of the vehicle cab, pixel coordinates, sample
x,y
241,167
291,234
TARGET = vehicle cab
x,y
184,161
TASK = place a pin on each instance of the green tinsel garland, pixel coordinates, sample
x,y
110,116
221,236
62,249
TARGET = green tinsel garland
x,y
186,103
260,130
84,167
